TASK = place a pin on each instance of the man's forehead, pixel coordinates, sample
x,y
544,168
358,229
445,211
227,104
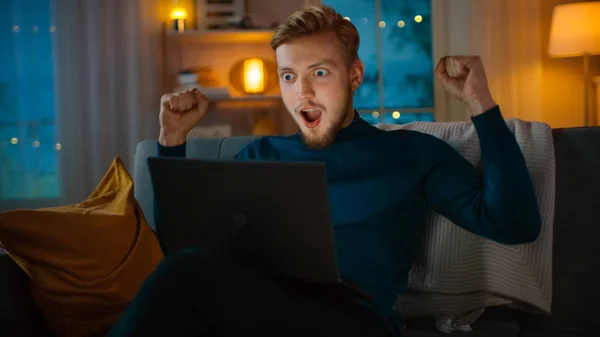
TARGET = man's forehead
x,y
306,64
291,57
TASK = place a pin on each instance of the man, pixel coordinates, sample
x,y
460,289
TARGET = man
x,y
382,186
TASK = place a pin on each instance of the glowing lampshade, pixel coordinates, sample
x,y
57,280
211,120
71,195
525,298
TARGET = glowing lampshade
x,y
575,31
253,76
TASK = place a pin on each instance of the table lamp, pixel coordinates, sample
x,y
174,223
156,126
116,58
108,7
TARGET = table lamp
x,y
254,76
575,32
178,15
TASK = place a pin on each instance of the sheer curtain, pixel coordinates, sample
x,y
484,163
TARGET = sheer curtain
x,y
506,34
108,85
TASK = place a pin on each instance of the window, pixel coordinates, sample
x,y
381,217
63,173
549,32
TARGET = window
x,y
396,48
28,147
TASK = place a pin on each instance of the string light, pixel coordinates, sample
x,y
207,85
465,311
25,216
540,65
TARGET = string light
x,y
418,18
375,114
396,114
16,28
401,24
347,18
35,144
382,24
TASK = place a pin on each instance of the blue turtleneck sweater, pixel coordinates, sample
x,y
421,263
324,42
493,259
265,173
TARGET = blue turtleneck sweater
x,y
383,184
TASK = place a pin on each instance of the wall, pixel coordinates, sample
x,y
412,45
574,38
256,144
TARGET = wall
x,y
562,90
265,12
450,26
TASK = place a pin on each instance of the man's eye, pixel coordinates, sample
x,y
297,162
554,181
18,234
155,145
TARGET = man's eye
x,y
287,77
321,72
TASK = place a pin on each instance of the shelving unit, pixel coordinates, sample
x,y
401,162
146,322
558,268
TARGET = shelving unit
x,y
217,50
247,102
222,36
212,54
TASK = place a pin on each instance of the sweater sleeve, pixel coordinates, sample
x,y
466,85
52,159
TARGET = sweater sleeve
x,y
497,202
165,151
171,151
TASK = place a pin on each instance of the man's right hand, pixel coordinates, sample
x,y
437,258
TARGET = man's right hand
x,y
179,114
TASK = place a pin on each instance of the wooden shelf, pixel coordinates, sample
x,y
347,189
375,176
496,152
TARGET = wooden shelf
x,y
223,36
246,102
217,51
245,98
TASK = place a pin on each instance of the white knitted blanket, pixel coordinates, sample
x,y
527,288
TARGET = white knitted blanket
x,y
457,272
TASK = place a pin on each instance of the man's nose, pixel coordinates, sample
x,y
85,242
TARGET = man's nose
x,y
304,89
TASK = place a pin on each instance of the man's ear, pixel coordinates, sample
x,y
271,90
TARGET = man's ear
x,y
357,71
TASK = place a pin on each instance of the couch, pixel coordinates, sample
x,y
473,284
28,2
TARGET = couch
x,y
576,284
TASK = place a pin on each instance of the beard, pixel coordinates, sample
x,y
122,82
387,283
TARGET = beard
x,y
319,141
323,140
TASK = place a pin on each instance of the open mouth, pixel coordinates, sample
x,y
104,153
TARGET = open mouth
x,y
311,117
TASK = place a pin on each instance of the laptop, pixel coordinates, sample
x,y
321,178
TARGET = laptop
x,y
273,215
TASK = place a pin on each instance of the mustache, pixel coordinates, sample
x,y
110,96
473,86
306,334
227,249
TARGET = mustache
x,y
309,104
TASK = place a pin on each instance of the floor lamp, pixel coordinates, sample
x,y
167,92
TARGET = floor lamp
x,y
575,32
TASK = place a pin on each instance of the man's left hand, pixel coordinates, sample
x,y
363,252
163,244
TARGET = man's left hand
x,y
465,79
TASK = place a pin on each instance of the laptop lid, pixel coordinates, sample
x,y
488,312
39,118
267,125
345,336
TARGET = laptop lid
x,y
273,214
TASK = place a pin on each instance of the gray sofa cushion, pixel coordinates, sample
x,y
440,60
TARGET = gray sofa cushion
x,y
576,294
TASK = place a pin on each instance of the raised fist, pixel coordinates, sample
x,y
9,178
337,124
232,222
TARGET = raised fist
x,y
179,114
465,79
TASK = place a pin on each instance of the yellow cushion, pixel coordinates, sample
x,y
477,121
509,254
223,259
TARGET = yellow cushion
x,y
85,261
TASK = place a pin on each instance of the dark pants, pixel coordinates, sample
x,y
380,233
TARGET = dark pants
x,y
191,294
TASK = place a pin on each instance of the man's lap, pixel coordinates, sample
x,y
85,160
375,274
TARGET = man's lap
x,y
229,298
